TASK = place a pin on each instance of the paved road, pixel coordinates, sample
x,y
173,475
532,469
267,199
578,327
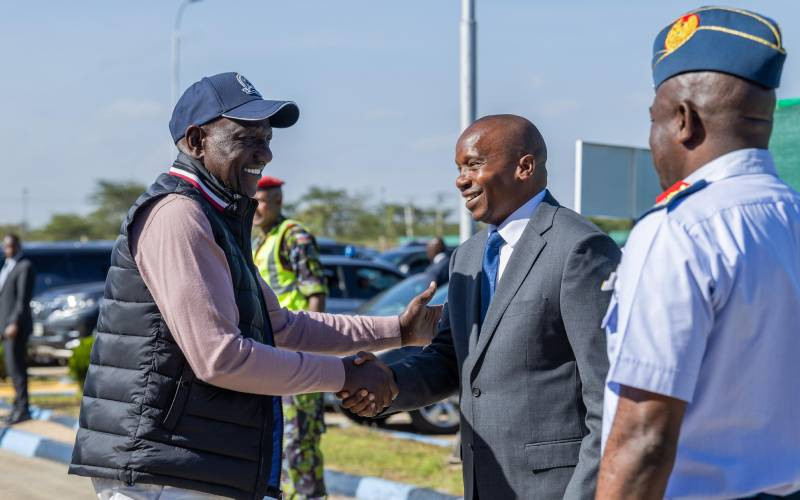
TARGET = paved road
x,y
24,478
36,479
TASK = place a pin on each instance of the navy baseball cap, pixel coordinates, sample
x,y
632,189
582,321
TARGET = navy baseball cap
x,y
230,95
722,39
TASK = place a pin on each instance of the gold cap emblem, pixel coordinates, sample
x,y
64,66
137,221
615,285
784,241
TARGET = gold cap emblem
x,y
681,31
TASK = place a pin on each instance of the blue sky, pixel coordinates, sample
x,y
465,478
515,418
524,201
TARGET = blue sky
x,y
86,86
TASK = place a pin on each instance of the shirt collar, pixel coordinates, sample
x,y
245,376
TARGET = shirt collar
x,y
195,173
11,262
740,162
439,257
512,228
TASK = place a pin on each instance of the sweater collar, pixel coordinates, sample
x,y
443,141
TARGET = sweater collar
x,y
195,173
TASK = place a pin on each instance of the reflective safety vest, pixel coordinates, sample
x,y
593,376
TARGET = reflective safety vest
x,y
282,280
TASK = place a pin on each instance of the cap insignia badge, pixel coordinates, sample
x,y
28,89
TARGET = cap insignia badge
x,y
681,31
247,87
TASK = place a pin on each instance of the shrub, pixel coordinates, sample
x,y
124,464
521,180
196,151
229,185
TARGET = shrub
x,y
79,361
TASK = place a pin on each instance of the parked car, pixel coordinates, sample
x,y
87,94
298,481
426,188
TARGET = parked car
x,y
409,259
351,281
328,246
70,278
439,418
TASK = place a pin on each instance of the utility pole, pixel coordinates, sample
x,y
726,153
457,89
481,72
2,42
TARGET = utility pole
x,y
409,219
176,50
439,220
468,95
23,227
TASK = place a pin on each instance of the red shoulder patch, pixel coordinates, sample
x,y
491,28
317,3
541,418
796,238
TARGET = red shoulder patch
x,y
671,192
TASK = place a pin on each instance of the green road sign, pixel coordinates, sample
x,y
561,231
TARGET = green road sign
x,y
785,141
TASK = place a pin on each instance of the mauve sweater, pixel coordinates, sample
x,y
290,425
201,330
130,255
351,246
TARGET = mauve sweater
x,y
188,276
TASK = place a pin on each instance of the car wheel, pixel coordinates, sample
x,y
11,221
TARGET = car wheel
x,y
439,418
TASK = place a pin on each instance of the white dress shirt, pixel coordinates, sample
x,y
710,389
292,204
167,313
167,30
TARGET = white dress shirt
x,y
511,229
706,309
8,266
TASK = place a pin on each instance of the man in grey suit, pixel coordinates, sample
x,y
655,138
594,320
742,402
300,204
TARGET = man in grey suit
x,y
16,288
520,337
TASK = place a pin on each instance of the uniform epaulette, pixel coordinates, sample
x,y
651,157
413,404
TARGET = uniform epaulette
x,y
674,194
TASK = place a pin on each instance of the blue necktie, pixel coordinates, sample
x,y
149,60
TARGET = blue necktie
x,y
491,265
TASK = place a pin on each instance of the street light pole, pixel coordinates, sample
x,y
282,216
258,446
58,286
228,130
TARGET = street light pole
x,y
176,47
468,99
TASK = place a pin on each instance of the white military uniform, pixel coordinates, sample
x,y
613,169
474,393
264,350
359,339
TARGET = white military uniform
x,y
706,309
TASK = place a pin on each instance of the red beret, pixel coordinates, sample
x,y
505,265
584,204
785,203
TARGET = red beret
x,y
268,182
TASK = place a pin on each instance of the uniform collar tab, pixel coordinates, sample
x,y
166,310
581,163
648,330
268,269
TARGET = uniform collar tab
x,y
740,162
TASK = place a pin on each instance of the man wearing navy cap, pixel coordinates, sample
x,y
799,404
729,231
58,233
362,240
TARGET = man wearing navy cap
x,y
701,397
193,349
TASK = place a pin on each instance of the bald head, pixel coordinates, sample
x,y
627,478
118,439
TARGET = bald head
x,y
516,133
729,106
501,161
699,116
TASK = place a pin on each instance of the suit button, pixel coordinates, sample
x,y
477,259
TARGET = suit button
x,y
476,392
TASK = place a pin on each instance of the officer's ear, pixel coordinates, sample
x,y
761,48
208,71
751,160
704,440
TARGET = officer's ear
x,y
690,129
193,141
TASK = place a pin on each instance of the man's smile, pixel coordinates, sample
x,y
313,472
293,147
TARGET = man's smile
x,y
471,198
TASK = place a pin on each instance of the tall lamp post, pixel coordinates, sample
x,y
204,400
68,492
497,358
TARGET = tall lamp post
x,y
176,47
467,83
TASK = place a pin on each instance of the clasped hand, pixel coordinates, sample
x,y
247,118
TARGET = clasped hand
x,y
369,383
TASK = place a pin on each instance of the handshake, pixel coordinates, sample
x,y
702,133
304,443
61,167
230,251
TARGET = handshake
x,y
369,385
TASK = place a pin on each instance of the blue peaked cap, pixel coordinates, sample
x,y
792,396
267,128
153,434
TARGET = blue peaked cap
x,y
230,95
723,39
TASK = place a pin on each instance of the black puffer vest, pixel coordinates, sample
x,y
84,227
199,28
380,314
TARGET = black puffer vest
x,y
144,417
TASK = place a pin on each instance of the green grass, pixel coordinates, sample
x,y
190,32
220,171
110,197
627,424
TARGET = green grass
x,y
365,452
63,404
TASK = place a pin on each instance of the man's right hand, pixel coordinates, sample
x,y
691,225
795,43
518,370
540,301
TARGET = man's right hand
x,y
11,331
369,385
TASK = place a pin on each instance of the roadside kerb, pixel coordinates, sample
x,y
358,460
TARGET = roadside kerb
x,y
32,445
48,415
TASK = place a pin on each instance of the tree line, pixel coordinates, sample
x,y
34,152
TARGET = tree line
x,y
333,213
351,217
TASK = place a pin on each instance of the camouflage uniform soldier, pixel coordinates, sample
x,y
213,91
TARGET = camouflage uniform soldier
x,y
288,259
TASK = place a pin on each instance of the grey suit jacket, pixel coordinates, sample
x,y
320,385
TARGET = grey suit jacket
x,y
15,297
531,380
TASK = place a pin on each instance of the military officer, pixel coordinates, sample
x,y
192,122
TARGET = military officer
x,y
703,330
287,257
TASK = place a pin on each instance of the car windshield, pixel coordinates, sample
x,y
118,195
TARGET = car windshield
x,y
395,299
68,268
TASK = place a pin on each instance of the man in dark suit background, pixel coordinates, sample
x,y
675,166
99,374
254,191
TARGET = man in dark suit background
x,y
439,268
520,337
16,288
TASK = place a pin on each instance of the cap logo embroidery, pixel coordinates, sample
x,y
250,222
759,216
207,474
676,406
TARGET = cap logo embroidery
x,y
247,87
681,31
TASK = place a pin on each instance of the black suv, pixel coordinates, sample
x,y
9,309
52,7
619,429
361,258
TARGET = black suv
x,y
70,278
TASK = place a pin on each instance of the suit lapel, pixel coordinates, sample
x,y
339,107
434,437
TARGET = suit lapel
x,y
473,312
524,256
